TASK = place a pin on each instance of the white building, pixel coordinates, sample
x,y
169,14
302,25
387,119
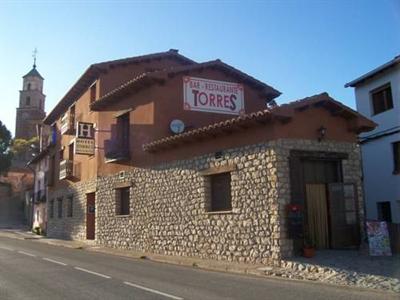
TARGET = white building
x,y
40,165
378,98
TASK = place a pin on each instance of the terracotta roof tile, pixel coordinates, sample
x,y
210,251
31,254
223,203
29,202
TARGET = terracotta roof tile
x,y
93,72
262,116
283,112
161,75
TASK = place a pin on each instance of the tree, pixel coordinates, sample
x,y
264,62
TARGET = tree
x,y
5,153
21,146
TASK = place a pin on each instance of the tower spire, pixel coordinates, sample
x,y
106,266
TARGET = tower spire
x,y
34,54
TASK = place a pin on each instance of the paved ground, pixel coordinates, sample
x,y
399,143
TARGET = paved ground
x,y
356,261
32,270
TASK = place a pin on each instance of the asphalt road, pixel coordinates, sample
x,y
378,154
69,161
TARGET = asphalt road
x,y
33,270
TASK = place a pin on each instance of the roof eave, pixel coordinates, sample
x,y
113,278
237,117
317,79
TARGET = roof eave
x,y
88,77
394,62
95,69
267,90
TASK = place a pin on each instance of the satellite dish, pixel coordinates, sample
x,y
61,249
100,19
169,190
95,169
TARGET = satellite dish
x,y
177,126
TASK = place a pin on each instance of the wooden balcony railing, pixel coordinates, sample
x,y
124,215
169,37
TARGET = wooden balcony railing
x,y
70,170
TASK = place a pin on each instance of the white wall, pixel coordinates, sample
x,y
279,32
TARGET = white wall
x,y
380,184
387,119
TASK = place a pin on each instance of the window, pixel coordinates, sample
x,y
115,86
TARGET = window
x,y
29,86
28,101
384,211
72,117
61,154
220,193
51,209
123,131
93,93
119,147
382,99
71,151
123,201
70,206
396,157
59,207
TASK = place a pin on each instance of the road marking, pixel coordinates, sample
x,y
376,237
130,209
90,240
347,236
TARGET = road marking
x,y
54,261
26,253
6,248
152,291
91,272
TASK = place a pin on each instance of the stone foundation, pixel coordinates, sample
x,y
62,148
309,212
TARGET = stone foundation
x,y
168,205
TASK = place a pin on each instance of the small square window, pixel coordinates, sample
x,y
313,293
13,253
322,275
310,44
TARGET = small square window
x,y
122,205
220,192
70,206
382,99
59,207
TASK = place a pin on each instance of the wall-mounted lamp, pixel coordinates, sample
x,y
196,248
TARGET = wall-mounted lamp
x,y
218,155
321,133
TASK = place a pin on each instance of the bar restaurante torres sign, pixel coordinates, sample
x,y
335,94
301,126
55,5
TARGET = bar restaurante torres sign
x,y
206,95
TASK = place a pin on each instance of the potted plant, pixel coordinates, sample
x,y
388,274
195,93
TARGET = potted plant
x,y
308,248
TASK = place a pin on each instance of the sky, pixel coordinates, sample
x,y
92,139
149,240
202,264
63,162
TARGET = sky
x,y
301,48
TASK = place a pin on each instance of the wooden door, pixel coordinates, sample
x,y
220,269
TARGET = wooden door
x,y
317,215
344,219
90,216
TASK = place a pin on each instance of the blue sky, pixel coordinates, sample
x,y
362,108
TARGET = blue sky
x,y
299,47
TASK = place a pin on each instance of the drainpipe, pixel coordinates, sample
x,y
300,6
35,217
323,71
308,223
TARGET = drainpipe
x,y
34,184
364,238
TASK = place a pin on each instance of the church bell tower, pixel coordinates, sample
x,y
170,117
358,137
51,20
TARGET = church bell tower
x,y
30,111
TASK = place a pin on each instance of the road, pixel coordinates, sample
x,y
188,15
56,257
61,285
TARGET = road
x,y
33,270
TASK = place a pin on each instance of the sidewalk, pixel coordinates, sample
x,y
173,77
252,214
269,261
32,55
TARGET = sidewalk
x,y
339,271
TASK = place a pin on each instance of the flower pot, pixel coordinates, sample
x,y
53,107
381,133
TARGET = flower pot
x,y
309,252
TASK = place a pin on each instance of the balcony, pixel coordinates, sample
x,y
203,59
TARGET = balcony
x,y
68,123
114,155
40,196
70,170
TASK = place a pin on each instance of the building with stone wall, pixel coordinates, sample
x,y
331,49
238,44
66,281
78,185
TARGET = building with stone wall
x,y
186,158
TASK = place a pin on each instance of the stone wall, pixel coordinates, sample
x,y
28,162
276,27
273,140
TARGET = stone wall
x,y
168,205
169,215
69,227
351,170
